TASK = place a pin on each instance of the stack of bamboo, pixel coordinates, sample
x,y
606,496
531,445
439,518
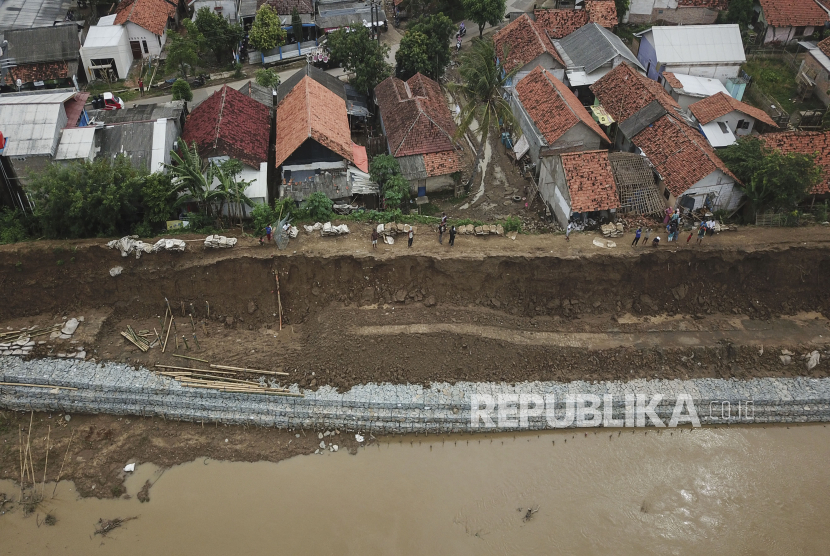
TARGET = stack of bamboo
x,y
138,339
222,377
11,335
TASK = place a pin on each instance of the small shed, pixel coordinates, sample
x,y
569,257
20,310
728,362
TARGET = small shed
x,y
106,47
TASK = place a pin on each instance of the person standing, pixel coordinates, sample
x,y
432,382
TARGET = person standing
x,y
645,237
444,218
411,235
452,236
701,232
441,229
636,237
374,239
268,231
141,87
568,231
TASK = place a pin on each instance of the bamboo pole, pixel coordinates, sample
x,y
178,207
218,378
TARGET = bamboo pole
x,y
279,299
36,385
195,339
227,368
46,463
135,343
20,446
192,322
28,444
71,436
167,337
191,358
228,379
186,345
241,391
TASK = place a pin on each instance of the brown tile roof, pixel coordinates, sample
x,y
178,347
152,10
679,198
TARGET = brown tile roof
x,y
148,14
590,181
805,142
720,104
37,72
415,116
311,111
824,46
793,13
74,107
524,40
443,163
284,7
711,4
672,80
624,91
552,107
561,23
230,124
603,12
680,154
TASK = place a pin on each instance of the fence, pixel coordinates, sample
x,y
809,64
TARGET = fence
x,y
787,54
288,51
769,105
772,218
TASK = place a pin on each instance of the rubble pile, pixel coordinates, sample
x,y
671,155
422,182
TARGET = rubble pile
x,y
612,230
327,229
131,244
220,242
486,229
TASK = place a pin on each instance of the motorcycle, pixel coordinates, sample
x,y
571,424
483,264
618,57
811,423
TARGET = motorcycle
x,y
462,30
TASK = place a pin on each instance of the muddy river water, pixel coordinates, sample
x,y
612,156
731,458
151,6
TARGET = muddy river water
x,y
750,491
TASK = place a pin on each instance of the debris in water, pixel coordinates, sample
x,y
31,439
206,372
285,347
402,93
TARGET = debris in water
x,y
358,437
129,468
107,525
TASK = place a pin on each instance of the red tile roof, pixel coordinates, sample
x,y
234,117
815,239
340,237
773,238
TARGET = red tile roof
x,y
415,116
284,7
793,13
37,72
590,181
148,14
824,46
230,124
673,81
552,107
443,163
680,154
711,4
805,142
721,104
74,107
524,40
603,12
311,111
561,23
624,91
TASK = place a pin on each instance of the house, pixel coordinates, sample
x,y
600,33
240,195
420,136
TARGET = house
x,y
589,53
147,145
578,185
783,22
25,14
675,12
146,22
551,117
263,95
814,73
688,89
285,8
649,121
175,111
31,124
420,131
226,8
43,55
715,51
231,125
561,23
722,119
314,145
335,14
523,45
106,53
805,142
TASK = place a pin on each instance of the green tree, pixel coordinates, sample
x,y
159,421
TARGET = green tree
x,y
319,207
483,12
181,90
183,49
220,36
428,49
231,189
771,179
383,167
192,177
395,191
740,12
483,79
296,24
355,50
266,33
267,77
158,198
622,8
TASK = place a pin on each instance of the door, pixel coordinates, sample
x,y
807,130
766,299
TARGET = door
x,y
135,46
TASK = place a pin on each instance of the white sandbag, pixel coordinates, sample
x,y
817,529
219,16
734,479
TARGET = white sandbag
x,y
293,232
221,242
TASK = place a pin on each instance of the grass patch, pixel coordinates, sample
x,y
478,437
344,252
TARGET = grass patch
x,y
776,79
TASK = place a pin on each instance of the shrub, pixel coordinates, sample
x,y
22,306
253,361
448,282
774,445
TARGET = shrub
x,y
181,90
263,215
319,207
512,224
12,228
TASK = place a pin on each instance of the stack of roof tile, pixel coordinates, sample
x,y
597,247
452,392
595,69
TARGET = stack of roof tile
x,y
590,181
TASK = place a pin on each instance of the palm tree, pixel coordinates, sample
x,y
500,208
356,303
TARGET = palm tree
x,y
193,177
483,80
232,190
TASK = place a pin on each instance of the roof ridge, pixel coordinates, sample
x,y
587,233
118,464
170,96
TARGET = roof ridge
x,y
307,104
219,120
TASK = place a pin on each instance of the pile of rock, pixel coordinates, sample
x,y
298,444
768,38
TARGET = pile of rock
x,y
393,228
131,244
21,346
486,229
330,230
612,230
220,242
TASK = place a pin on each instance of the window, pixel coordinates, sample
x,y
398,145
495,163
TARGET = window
x,y
741,124
723,127
146,50
666,193
799,31
746,124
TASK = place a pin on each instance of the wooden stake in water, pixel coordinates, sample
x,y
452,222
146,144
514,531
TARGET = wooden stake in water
x,y
71,436
46,463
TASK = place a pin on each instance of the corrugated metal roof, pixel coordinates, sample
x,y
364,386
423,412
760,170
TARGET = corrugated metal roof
x,y
35,98
592,46
697,44
76,143
718,134
649,114
43,44
700,86
31,129
132,140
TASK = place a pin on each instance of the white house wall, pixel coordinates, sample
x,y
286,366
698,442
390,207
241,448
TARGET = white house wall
x,y
545,61
721,72
228,10
727,194
554,190
154,42
120,52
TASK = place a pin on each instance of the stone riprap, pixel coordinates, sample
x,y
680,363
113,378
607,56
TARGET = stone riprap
x,y
120,389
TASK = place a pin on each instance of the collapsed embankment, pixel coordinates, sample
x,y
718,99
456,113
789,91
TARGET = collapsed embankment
x,y
758,283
